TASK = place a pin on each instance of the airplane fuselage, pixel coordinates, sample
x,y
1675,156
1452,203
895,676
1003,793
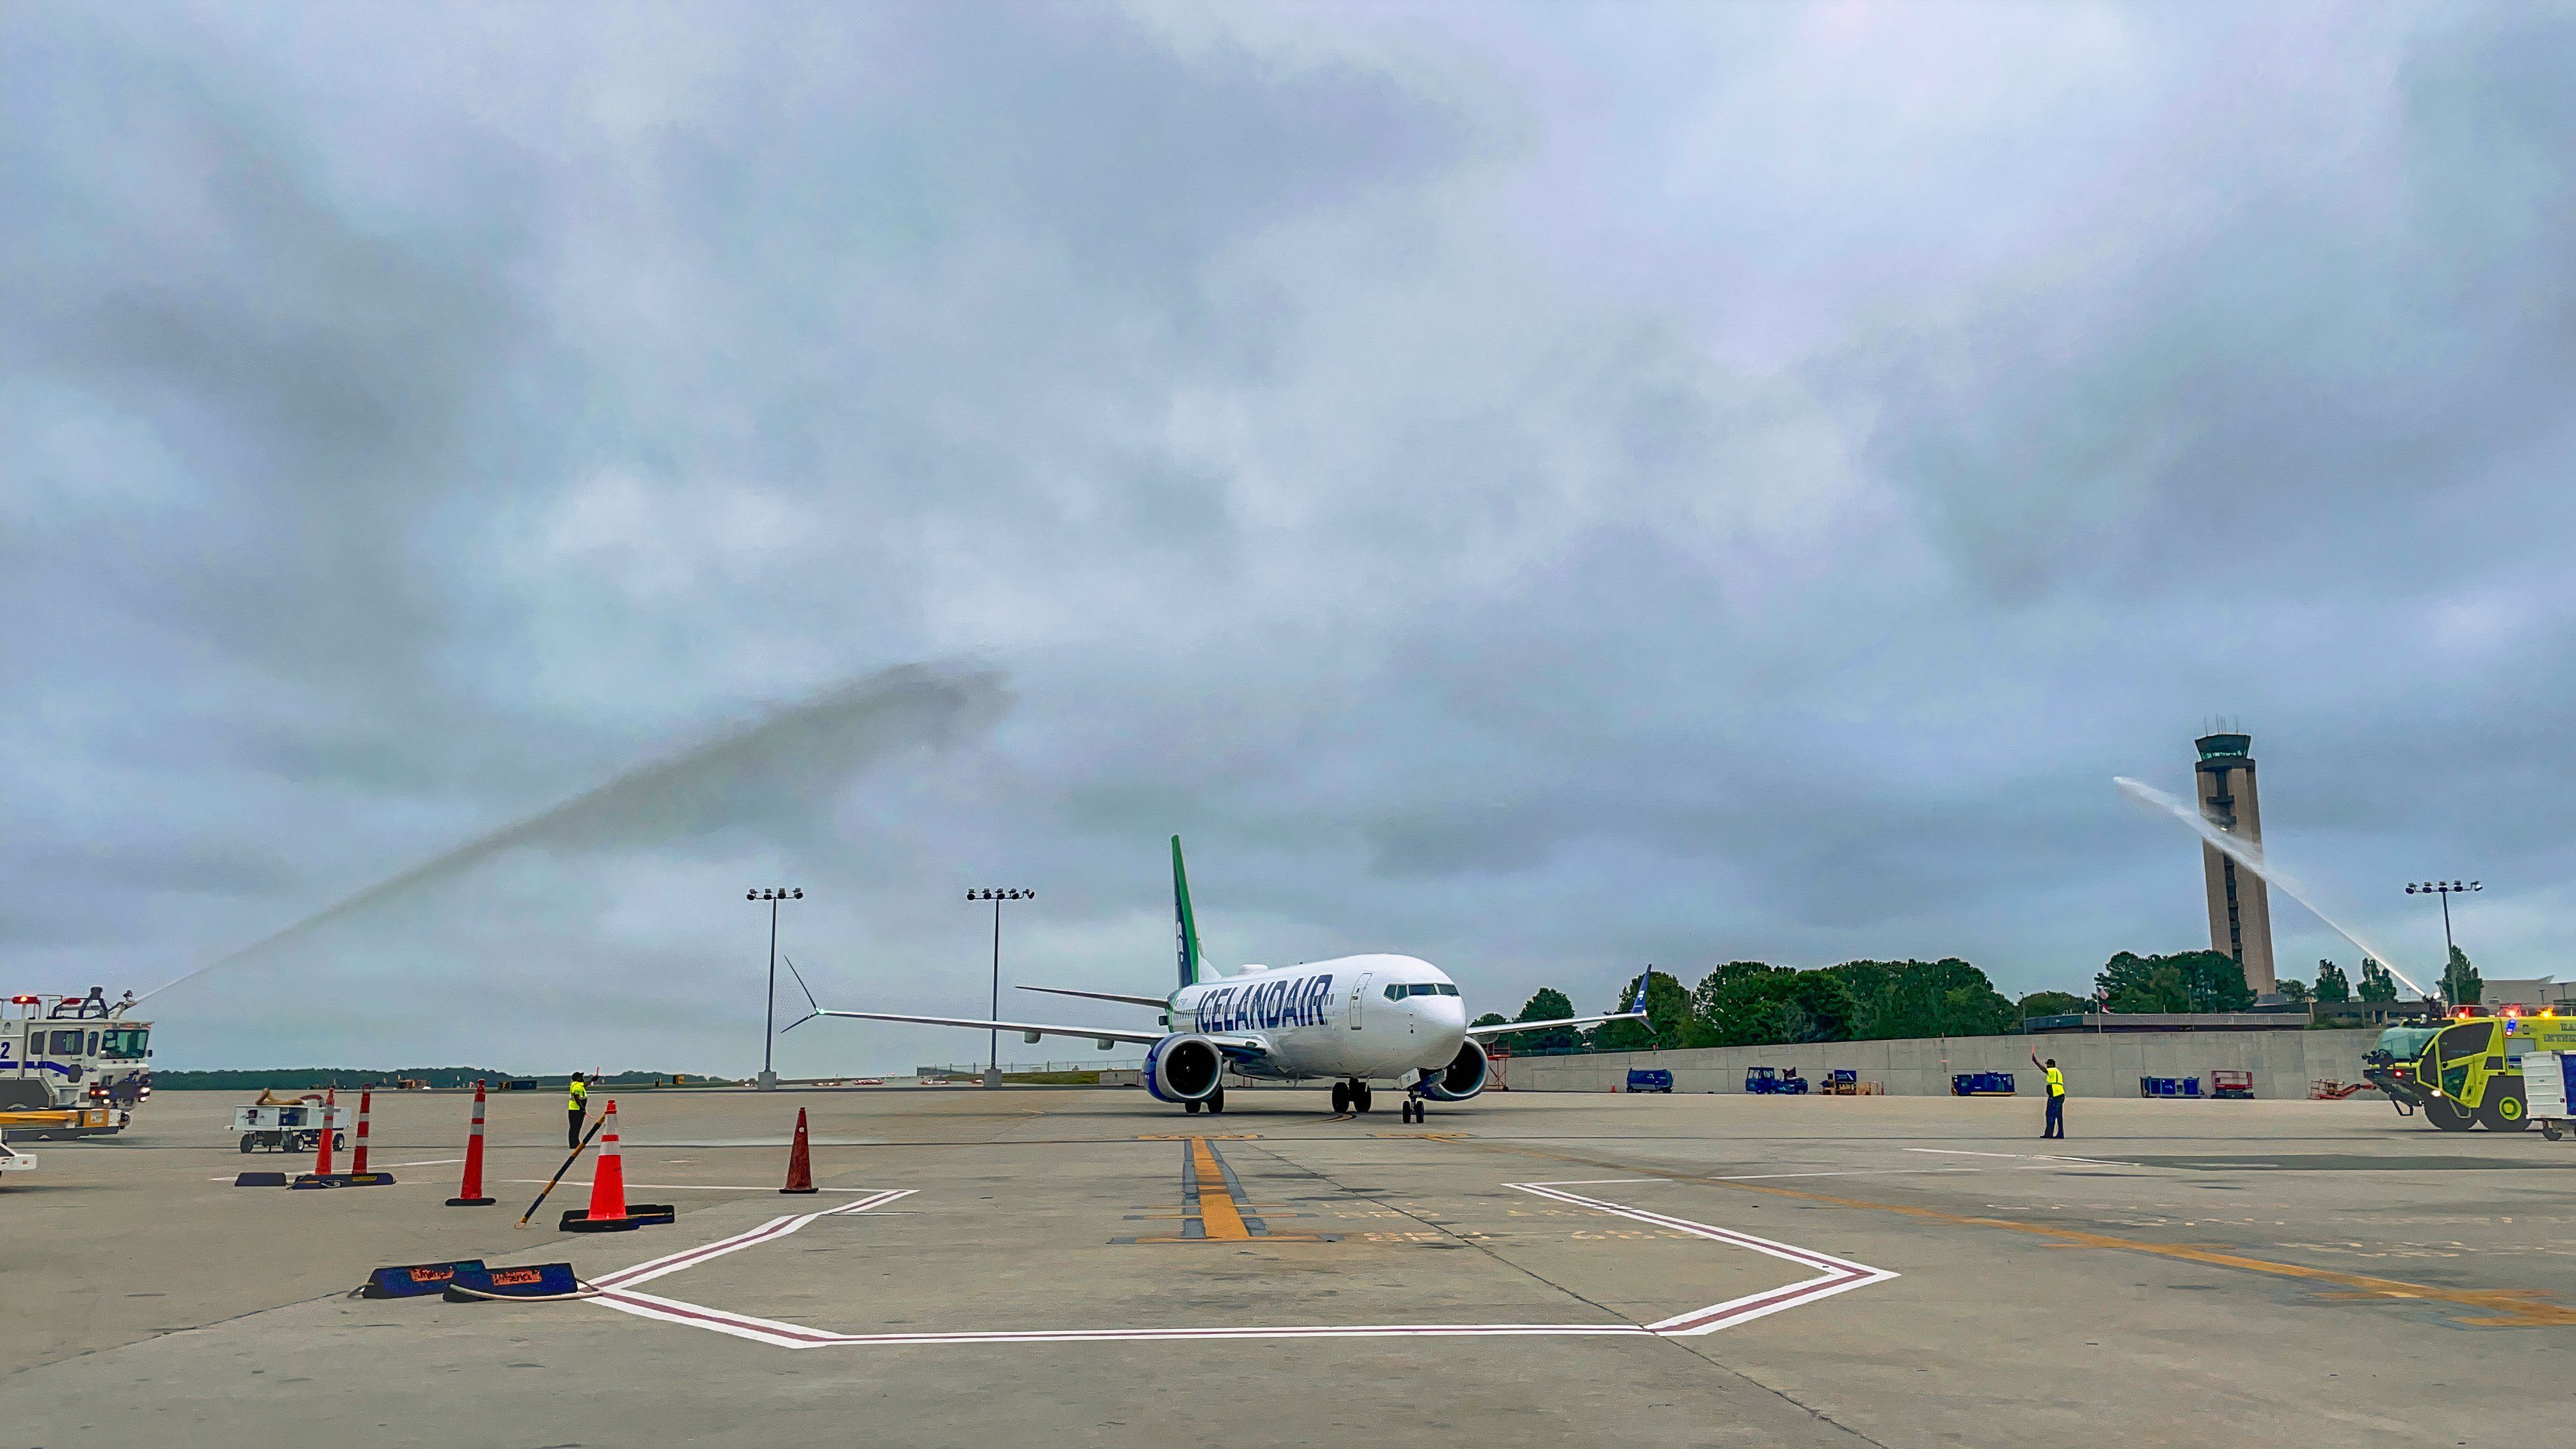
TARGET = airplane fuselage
x,y
1356,1017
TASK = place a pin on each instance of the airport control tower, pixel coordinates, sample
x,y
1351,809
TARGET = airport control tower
x,y
2240,907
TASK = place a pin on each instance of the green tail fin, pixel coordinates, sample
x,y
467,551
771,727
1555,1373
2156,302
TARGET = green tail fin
x,y
1185,924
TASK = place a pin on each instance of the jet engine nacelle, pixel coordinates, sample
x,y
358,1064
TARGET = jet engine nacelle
x,y
1464,1077
1184,1067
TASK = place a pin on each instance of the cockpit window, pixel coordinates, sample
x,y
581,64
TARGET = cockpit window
x,y
1446,989
1395,992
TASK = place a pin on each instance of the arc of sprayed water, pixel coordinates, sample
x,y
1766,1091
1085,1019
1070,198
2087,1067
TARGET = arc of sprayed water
x,y
2252,859
843,727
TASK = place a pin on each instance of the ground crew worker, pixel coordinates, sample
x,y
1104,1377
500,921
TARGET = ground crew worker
x,y
2056,1098
579,1108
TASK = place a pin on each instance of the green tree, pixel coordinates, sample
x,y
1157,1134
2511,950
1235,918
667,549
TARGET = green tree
x,y
2376,982
2332,984
2184,981
1547,1004
2052,1003
1491,1018
1732,1005
2135,983
2460,983
2214,981
1947,997
1817,1006
2294,991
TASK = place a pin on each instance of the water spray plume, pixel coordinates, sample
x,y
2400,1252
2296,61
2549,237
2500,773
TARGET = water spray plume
x,y
2251,857
733,778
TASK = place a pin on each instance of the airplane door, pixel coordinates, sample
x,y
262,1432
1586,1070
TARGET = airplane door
x,y
1359,993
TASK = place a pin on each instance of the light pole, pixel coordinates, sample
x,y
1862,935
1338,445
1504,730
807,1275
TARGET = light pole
x,y
2445,889
993,1076
768,1030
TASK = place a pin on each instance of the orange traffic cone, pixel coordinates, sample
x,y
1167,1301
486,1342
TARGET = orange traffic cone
x,y
609,1210
800,1160
608,1179
322,1175
322,1158
470,1192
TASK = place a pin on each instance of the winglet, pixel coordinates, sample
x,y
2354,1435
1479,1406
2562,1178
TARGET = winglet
x,y
1185,925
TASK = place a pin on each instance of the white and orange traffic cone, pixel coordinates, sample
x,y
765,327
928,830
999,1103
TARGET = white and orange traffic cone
x,y
366,1104
469,1193
608,1176
609,1211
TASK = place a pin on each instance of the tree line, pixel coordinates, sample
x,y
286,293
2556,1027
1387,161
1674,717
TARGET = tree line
x,y
1754,1003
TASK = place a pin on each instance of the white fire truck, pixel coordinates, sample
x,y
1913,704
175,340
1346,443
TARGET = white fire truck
x,y
73,1053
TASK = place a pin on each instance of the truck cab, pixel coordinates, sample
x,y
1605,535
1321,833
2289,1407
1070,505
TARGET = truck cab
x,y
2466,1070
60,1052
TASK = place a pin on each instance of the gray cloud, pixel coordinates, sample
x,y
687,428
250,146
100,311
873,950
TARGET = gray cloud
x,y
1539,494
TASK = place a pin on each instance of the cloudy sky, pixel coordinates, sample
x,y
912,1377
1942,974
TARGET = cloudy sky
x,y
1545,489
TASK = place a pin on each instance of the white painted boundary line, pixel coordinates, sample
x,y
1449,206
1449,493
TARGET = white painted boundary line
x,y
1837,1275
769,1231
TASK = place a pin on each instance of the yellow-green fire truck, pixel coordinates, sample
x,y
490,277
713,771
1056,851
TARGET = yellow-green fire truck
x,y
2465,1070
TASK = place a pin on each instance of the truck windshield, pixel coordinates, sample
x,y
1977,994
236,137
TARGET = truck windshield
x,y
2405,1043
123,1043
2471,1039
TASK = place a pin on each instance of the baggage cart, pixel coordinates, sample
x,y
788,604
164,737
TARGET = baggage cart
x,y
1771,1081
289,1126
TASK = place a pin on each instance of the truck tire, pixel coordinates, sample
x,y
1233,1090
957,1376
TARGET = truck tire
x,y
2448,1115
246,1140
25,1094
2507,1113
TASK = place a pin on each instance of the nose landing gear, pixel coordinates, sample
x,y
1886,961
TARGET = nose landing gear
x,y
1414,1109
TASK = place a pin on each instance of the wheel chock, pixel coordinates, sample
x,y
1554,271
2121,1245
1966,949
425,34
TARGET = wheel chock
x,y
475,1283
415,1280
260,1179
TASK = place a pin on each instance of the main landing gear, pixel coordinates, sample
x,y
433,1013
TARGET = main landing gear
x,y
1215,1102
1350,1096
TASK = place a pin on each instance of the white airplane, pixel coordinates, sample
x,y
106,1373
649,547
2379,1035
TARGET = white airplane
x,y
1353,1019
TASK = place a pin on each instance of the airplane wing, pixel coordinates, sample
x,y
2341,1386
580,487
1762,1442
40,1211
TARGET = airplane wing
x,y
1025,1028
1509,1027
1238,1046
1156,1002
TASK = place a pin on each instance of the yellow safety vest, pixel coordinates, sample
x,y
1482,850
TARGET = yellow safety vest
x,y
580,1098
2056,1082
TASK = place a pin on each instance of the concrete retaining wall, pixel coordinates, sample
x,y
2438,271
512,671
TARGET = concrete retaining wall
x,y
2283,1062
